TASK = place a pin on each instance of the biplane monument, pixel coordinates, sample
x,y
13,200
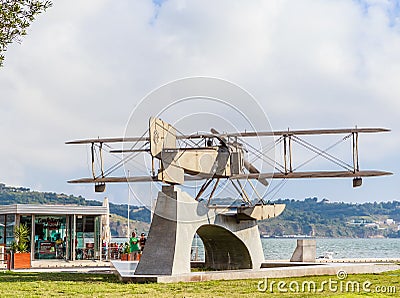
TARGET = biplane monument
x,y
229,232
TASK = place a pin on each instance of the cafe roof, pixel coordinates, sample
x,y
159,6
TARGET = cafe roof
x,y
44,209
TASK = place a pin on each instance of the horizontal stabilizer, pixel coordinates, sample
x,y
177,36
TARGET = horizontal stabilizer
x,y
109,140
114,179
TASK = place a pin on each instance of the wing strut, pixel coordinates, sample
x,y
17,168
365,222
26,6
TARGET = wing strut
x,y
213,190
356,165
287,153
98,186
203,188
92,151
101,160
241,191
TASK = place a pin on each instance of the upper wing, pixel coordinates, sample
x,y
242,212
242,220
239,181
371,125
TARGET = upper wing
x,y
285,133
238,134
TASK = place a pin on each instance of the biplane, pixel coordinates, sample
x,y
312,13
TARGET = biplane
x,y
215,156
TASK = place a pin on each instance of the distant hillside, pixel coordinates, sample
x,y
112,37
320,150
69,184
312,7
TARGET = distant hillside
x,y
325,219
119,226
22,195
305,217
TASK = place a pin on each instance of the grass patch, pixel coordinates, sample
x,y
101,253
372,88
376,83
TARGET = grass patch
x,y
17,284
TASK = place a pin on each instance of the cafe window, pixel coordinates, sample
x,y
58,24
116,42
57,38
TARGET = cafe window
x,y
10,224
2,229
85,237
50,237
7,224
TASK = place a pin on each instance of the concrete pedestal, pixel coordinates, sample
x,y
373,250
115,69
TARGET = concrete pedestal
x,y
305,251
228,243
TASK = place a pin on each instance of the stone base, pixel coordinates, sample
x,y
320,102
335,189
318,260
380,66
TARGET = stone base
x,y
305,251
228,242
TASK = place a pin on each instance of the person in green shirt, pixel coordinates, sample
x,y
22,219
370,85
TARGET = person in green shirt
x,y
134,247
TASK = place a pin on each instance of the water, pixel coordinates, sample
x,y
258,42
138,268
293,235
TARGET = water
x,y
283,248
360,248
275,249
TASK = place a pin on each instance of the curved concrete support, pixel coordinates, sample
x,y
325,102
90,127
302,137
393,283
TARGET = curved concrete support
x,y
223,250
229,242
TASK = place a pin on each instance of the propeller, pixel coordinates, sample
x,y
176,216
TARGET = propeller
x,y
221,139
249,166
253,170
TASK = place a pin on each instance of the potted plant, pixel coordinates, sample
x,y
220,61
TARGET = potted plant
x,y
125,252
19,247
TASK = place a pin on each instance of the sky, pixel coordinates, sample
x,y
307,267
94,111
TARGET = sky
x,y
85,66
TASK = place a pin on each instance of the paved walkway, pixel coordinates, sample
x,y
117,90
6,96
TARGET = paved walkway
x,y
271,268
99,270
68,264
126,272
84,266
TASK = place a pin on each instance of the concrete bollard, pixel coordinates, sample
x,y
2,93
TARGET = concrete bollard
x,y
305,251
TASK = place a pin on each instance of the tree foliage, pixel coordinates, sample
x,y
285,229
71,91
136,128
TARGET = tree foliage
x,y
308,217
15,17
23,195
322,219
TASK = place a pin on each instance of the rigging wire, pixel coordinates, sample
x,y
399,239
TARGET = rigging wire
x,y
224,187
265,158
182,134
268,147
139,165
277,188
122,162
125,159
322,153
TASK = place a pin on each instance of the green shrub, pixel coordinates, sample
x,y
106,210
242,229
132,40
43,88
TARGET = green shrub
x,y
21,236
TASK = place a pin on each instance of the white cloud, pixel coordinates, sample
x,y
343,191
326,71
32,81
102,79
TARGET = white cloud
x,y
84,66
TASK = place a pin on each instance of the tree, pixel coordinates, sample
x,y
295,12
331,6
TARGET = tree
x,y
15,17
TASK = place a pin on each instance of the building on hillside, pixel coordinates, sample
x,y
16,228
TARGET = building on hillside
x,y
390,221
67,232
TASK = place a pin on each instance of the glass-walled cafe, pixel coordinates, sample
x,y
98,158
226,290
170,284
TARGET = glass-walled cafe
x,y
65,232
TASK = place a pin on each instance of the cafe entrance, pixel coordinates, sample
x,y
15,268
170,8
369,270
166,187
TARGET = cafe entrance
x,y
67,237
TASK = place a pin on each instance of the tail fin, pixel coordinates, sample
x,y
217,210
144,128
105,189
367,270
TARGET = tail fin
x,y
162,135
163,147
